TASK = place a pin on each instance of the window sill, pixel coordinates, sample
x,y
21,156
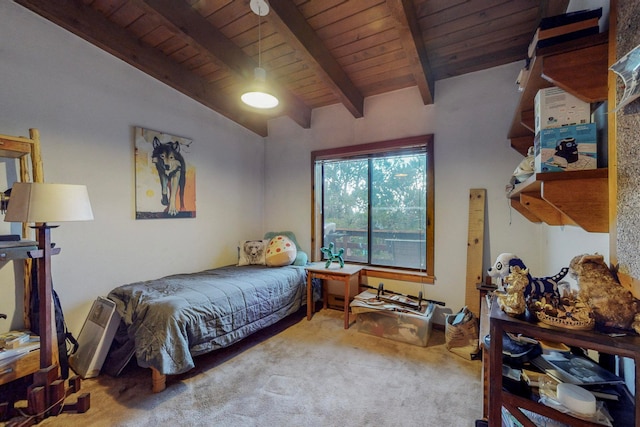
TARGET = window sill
x,y
396,274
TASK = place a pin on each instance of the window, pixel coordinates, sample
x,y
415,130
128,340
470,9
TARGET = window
x,y
376,202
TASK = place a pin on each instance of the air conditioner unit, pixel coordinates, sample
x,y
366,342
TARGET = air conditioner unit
x,y
95,338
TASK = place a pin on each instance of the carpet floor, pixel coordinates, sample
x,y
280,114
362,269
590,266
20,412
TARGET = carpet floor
x,y
297,373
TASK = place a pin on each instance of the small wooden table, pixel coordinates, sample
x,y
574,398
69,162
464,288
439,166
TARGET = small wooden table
x,y
317,270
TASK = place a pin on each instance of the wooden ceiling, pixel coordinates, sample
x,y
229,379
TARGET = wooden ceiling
x,y
315,52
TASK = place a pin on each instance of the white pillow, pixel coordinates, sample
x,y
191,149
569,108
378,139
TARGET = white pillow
x,y
251,252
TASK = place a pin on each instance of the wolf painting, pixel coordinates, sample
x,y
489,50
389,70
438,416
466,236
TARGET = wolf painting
x,y
165,179
171,171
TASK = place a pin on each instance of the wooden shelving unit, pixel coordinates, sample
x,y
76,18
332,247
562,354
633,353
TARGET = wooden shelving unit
x,y
30,362
627,346
47,391
579,198
24,149
579,67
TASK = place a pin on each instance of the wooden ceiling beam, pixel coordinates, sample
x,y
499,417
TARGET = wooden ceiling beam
x,y
413,45
289,22
83,21
193,25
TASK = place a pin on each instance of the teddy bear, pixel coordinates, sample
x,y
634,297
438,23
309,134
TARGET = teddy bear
x,y
512,301
612,304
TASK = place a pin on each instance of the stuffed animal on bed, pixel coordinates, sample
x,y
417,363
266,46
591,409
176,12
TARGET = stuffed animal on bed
x,y
612,304
536,286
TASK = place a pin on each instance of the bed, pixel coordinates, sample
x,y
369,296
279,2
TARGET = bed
x,y
175,318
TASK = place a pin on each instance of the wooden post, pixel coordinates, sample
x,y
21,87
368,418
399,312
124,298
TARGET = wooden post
x,y
475,249
45,294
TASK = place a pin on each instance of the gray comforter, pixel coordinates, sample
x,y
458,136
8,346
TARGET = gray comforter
x,y
175,318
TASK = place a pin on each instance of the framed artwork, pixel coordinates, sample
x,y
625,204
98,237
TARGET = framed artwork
x,y
165,179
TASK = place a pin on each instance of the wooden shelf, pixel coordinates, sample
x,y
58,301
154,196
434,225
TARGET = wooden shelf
x,y
579,67
626,346
14,147
578,198
16,250
29,363
21,367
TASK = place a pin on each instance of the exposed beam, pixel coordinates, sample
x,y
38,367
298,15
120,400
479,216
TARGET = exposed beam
x,y
200,31
414,47
298,33
85,22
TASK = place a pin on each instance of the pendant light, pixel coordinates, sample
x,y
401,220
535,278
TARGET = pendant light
x,y
257,95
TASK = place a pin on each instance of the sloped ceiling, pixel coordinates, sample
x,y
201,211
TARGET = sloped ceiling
x,y
315,52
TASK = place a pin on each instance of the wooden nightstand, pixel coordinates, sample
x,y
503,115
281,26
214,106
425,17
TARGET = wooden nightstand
x,y
317,270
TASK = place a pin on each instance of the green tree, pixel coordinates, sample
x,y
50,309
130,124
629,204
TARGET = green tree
x,y
397,196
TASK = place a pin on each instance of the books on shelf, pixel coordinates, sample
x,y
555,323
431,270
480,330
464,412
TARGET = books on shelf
x,y
8,355
573,369
532,378
13,339
569,18
537,44
565,27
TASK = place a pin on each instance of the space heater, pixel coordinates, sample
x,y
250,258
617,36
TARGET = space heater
x,y
95,338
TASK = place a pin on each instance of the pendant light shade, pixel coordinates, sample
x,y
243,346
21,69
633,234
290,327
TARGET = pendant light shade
x,y
257,94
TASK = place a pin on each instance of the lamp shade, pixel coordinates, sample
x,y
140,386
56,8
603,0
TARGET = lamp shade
x,y
259,99
39,202
258,96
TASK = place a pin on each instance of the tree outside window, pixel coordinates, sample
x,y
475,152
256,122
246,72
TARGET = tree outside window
x,y
376,201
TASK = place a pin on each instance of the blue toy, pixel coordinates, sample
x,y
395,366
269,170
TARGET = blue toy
x,y
332,256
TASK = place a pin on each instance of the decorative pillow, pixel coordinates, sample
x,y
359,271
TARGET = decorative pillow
x,y
252,252
280,251
301,256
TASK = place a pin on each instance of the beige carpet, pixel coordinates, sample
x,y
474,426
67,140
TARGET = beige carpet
x,y
298,373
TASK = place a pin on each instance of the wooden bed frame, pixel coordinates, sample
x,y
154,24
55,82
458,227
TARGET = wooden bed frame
x,y
158,381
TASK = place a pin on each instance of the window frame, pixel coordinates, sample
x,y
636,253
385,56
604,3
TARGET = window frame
x,y
417,142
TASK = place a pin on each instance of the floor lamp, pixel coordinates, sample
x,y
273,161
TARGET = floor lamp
x,y
40,203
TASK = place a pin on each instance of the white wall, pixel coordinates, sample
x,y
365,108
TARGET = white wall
x,y
559,244
470,120
85,104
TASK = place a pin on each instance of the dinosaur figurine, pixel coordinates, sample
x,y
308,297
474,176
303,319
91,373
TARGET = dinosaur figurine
x,y
332,256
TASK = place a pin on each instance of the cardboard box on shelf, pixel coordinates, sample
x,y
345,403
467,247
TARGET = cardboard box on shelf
x,y
568,148
553,107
